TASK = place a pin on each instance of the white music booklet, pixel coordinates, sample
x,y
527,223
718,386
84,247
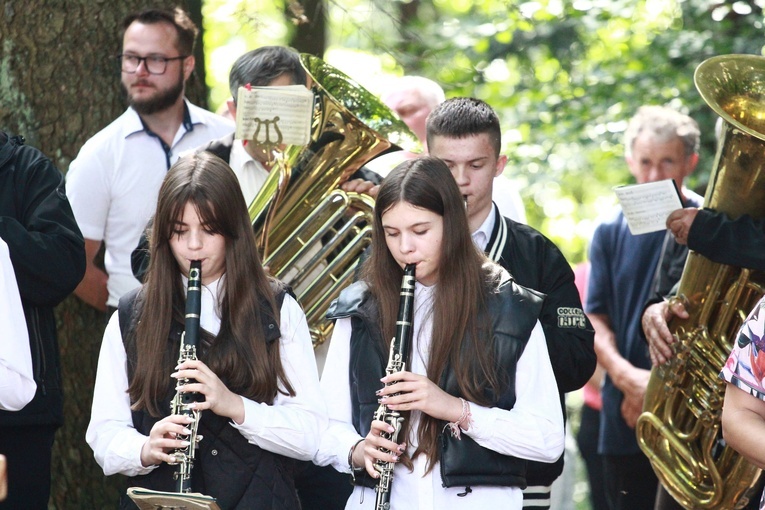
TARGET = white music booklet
x,y
647,206
274,115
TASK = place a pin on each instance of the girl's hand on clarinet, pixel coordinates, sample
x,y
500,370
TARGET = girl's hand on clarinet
x,y
417,392
218,398
369,451
164,439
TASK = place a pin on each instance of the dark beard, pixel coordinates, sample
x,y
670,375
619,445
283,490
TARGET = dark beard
x,y
158,103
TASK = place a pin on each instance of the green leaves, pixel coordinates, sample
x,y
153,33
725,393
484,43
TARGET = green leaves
x,y
564,77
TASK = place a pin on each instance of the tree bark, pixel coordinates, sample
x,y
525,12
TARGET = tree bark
x,y
59,85
310,20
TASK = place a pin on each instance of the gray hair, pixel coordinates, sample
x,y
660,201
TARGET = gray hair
x,y
664,124
261,66
430,91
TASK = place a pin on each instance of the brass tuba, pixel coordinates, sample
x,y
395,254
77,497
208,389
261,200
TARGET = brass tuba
x,y
679,429
311,232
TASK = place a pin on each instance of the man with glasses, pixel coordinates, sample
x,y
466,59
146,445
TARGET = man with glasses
x,y
114,181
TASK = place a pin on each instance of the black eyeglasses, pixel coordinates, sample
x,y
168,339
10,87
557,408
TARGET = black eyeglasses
x,y
154,65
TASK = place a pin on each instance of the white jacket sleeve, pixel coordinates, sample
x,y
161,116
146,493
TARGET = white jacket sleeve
x,y
115,442
340,436
291,426
17,385
533,429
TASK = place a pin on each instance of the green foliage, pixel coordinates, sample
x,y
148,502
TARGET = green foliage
x,y
233,27
564,76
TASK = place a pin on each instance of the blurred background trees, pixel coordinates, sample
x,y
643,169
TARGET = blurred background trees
x,y
563,75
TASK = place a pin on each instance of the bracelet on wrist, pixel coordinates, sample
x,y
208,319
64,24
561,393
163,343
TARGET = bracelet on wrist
x,y
350,461
465,418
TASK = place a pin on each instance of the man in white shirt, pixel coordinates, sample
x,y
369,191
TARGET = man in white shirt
x,y
413,98
267,66
114,181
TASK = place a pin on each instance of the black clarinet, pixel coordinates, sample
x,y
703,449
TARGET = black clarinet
x,y
398,360
184,457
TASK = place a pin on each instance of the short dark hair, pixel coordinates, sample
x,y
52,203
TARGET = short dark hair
x,y
461,117
178,18
262,66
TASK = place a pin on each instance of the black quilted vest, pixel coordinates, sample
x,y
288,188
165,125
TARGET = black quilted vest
x,y
513,311
240,475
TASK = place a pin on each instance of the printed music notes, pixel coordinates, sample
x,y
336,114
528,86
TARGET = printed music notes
x,y
273,116
147,499
646,206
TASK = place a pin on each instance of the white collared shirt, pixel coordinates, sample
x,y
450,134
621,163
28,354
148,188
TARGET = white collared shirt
x,y
114,182
290,426
17,385
483,234
251,174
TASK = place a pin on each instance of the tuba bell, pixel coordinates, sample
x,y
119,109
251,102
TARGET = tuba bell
x,y
312,233
679,429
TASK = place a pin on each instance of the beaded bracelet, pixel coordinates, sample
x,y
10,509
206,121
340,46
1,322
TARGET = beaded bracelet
x,y
350,461
454,427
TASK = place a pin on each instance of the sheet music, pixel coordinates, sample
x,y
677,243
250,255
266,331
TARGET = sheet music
x,y
274,115
646,206
147,499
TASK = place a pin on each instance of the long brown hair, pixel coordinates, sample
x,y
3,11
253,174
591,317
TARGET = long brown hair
x,y
239,355
464,271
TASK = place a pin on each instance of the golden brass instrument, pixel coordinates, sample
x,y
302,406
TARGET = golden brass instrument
x,y
311,232
679,429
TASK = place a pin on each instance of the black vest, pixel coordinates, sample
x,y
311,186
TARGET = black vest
x,y
513,311
240,475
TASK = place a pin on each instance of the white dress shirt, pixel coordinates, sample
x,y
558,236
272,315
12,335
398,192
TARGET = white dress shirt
x,y
483,234
17,385
251,174
114,182
291,426
533,429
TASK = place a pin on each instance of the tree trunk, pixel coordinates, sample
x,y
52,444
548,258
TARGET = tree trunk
x,y
310,19
59,85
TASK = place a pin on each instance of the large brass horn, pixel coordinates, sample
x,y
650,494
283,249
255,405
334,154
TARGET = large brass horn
x,y
311,232
679,429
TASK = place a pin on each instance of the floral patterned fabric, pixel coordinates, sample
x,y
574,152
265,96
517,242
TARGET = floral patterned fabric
x,y
745,367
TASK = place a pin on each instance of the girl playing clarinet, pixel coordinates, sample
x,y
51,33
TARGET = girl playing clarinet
x,y
255,374
477,396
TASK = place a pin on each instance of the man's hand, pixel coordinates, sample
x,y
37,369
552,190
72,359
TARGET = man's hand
x,y
632,408
92,288
654,322
679,223
632,381
361,186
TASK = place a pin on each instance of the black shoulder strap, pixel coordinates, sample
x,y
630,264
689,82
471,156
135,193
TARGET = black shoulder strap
x,y
221,147
125,309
